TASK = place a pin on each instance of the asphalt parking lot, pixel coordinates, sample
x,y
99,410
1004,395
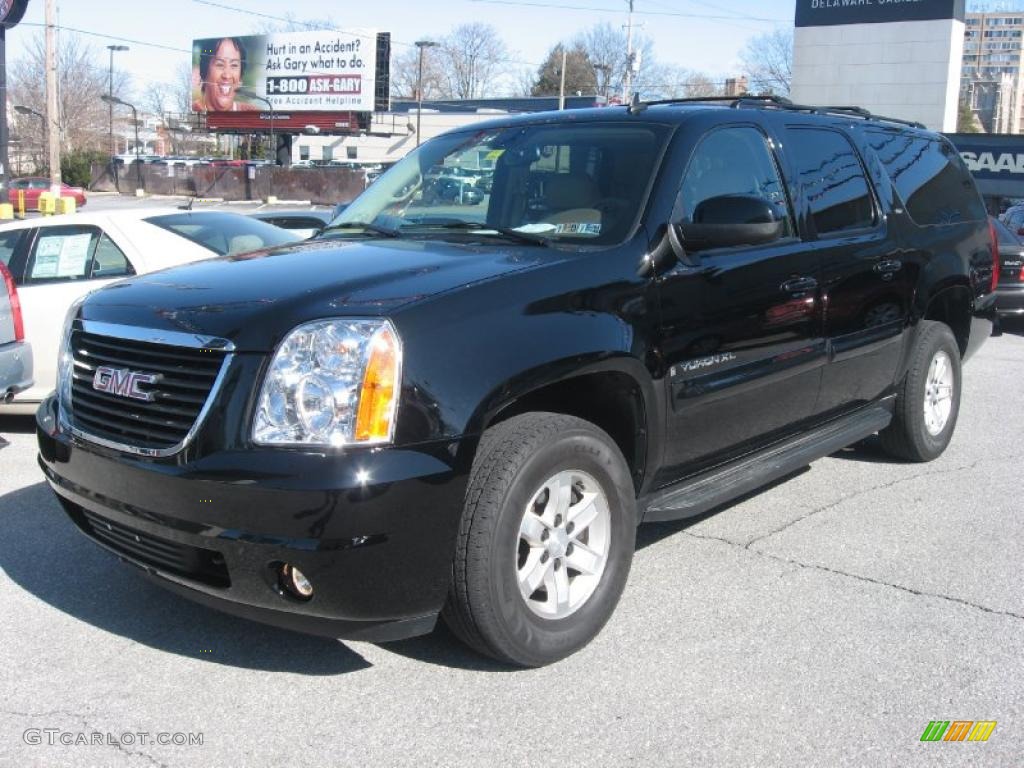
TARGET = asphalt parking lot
x,y
823,622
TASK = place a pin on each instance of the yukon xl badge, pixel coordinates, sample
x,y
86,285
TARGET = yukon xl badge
x,y
124,383
703,362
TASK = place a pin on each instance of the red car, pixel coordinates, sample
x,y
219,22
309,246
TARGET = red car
x,y
33,186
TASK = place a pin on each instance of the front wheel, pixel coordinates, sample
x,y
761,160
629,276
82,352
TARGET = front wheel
x,y
546,540
928,400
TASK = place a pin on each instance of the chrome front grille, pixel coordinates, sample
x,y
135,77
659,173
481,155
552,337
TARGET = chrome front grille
x,y
155,417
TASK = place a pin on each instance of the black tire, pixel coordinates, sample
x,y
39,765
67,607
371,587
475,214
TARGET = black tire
x,y
908,437
515,458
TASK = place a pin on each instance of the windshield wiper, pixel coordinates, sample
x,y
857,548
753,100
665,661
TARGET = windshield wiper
x,y
368,226
486,229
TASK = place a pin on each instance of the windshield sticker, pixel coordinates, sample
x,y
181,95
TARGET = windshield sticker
x,y
578,228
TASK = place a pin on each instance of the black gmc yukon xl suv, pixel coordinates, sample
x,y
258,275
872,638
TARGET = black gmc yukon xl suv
x,y
437,409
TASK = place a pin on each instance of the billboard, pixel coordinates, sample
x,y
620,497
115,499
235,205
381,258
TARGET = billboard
x,y
320,71
821,13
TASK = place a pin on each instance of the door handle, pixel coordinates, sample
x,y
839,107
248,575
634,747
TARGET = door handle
x,y
888,266
799,285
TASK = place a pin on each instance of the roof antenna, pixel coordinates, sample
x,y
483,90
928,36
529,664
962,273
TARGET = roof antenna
x,y
188,205
636,106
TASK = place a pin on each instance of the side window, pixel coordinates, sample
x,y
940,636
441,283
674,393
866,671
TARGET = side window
x,y
9,244
931,179
62,254
732,162
109,260
830,174
39,184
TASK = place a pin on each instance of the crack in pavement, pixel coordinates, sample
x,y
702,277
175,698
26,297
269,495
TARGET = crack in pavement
x,y
872,489
858,577
91,728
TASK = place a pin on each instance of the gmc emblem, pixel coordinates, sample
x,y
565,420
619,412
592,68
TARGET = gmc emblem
x,y
124,383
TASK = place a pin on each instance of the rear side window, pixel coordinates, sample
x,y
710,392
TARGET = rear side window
x,y
832,178
929,175
8,244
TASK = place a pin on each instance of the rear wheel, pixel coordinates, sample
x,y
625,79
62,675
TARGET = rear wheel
x,y
546,541
928,400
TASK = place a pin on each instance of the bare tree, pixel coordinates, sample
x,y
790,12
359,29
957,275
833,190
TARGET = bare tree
x,y
605,47
405,74
473,57
82,80
768,62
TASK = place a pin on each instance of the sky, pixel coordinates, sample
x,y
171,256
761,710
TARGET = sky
x,y
159,32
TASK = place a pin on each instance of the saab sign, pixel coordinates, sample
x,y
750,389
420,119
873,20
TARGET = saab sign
x,y
826,13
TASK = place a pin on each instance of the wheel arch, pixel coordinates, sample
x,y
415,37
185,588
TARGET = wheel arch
x,y
616,395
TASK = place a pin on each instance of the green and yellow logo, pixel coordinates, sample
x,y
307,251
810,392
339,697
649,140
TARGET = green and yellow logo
x,y
958,730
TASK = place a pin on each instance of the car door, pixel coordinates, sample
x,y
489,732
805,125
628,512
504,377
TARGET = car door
x,y
866,276
62,264
740,329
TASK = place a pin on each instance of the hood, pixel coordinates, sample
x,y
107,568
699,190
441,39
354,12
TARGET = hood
x,y
254,299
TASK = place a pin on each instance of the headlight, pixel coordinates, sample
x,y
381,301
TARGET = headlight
x,y
66,358
332,382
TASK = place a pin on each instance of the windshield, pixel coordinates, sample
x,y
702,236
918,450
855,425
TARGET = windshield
x,y
578,183
224,233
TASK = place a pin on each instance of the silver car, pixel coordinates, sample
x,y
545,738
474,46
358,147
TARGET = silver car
x,y
15,352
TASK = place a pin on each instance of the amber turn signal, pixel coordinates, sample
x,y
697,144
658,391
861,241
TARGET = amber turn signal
x,y
379,393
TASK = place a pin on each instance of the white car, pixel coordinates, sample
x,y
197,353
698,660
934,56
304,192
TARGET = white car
x,y
57,259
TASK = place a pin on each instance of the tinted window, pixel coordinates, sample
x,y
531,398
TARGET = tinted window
x,y
733,161
8,244
224,233
830,173
931,179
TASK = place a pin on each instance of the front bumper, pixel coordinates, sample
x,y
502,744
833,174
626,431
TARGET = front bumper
x,y
374,531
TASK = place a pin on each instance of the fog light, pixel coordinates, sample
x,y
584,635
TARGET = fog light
x,y
295,581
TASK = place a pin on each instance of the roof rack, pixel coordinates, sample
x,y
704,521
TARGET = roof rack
x,y
774,102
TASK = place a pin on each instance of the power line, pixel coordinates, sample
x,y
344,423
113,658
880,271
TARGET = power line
x,y
110,37
678,14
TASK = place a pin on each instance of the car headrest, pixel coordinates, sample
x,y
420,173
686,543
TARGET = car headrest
x,y
571,191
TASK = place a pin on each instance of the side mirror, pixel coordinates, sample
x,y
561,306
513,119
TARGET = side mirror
x,y
731,220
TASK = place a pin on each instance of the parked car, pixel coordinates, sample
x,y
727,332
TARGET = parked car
x,y
304,223
15,352
442,416
1010,290
33,186
453,190
57,260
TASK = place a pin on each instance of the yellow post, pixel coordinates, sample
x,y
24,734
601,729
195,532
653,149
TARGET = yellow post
x,y
66,205
47,204
6,211
21,203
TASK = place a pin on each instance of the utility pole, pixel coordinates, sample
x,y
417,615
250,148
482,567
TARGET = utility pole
x,y
627,81
110,92
422,45
52,116
561,86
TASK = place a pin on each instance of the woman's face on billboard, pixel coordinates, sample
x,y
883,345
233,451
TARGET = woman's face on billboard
x,y
225,75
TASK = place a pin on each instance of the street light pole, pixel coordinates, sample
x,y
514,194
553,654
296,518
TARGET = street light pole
x,y
110,92
249,93
135,119
421,44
